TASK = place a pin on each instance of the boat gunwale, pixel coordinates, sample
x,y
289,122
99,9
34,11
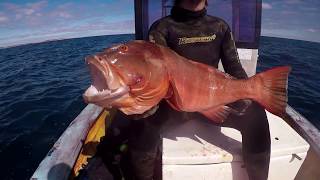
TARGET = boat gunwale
x,y
304,128
59,161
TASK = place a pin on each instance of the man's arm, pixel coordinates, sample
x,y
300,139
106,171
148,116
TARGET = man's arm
x,y
157,34
230,58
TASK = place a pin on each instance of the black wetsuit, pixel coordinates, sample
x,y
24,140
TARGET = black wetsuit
x,y
205,39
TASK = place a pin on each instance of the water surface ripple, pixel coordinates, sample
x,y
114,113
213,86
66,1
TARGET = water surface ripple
x,y
41,93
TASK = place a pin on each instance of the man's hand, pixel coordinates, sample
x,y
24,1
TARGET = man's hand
x,y
146,114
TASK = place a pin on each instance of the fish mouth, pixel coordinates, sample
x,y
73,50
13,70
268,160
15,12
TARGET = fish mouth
x,y
106,85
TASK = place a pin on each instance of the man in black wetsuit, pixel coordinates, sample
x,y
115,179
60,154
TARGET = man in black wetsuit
x,y
195,35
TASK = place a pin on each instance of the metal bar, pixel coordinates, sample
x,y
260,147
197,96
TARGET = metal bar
x,y
141,18
258,22
238,22
236,19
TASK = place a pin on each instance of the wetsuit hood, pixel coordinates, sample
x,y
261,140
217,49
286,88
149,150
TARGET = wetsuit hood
x,y
182,15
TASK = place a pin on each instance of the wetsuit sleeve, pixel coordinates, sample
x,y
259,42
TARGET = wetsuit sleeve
x,y
157,34
230,58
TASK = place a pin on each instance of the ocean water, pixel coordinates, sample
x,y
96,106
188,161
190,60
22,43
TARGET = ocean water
x,y
304,80
41,93
42,84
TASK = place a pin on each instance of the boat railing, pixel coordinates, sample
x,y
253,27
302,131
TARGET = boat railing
x,y
304,128
58,163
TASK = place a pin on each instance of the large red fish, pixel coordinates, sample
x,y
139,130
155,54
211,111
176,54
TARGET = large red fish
x,y
134,77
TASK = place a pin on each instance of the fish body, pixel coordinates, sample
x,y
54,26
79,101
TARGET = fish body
x,y
136,76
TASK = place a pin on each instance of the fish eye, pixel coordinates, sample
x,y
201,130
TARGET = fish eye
x,y
123,48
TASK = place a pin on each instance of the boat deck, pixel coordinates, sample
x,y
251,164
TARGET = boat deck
x,y
197,149
190,147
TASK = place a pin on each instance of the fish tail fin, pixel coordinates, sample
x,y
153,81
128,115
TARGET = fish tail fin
x,y
273,92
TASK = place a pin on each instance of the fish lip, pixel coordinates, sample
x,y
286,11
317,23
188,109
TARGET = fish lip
x,y
95,62
93,94
108,73
105,96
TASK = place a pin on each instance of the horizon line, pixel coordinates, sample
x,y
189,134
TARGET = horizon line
x,y
68,38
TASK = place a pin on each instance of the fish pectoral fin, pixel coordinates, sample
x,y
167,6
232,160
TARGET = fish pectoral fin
x,y
240,107
218,114
173,105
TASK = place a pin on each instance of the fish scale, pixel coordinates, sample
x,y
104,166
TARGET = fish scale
x,y
185,84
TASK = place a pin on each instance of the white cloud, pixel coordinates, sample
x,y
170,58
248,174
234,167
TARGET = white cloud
x,y
64,15
290,34
40,20
288,12
312,30
266,6
38,5
66,32
3,19
293,1
29,11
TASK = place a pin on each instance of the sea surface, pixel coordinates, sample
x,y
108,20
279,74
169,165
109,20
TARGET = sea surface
x,y
304,79
41,88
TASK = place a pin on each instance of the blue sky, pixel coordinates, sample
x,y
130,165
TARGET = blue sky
x,y
293,19
24,21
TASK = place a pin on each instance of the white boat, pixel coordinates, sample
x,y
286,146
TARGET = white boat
x,y
195,149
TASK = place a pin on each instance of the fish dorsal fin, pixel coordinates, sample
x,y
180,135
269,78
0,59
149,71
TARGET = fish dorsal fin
x,y
217,114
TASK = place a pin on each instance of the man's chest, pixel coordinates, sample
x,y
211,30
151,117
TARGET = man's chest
x,y
202,43
189,34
